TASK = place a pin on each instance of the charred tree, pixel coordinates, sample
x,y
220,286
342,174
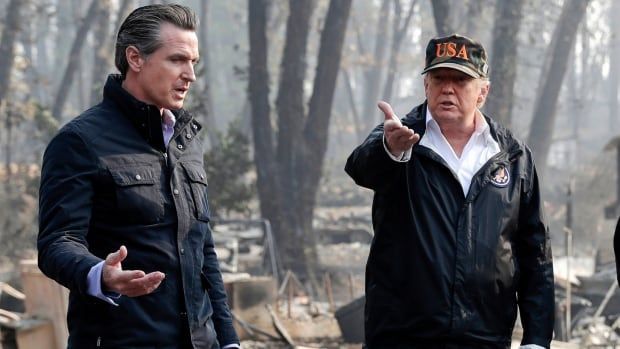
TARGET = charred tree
x,y
374,73
399,31
262,131
102,49
7,45
504,60
614,69
206,95
474,12
203,97
288,177
541,128
43,59
291,118
442,15
314,140
74,60
356,119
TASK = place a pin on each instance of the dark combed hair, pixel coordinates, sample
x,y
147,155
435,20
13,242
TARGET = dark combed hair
x,y
142,29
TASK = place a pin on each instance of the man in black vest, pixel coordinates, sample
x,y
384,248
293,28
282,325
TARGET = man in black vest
x,y
124,216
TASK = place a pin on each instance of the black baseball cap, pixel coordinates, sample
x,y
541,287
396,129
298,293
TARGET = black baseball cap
x,y
457,52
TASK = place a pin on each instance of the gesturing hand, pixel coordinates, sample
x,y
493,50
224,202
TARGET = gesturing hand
x,y
399,138
131,283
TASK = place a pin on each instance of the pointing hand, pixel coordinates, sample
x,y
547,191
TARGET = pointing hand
x,y
399,138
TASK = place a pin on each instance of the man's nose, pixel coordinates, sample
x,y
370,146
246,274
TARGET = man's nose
x,y
189,74
447,86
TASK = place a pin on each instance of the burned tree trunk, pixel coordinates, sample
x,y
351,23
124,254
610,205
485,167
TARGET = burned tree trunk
x,y
203,107
441,13
291,118
102,49
614,69
474,12
73,61
205,98
399,33
373,74
357,120
504,60
314,140
7,45
262,132
541,128
302,141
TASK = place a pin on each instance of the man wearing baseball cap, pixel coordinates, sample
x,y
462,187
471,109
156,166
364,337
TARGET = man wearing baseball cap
x,y
460,240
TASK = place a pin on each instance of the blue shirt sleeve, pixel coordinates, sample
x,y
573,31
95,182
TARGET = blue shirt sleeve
x,y
93,283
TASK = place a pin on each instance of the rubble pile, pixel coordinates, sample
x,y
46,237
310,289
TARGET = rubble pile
x,y
344,256
594,302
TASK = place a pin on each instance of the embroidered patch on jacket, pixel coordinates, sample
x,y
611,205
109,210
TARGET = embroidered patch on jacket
x,y
500,177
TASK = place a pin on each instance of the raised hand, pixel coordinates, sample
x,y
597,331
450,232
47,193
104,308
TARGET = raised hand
x,y
131,283
399,138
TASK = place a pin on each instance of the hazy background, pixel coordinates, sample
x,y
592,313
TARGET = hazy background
x,y
554,82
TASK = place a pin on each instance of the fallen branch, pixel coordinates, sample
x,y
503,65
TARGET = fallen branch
x,y
10,315
279,327
11,291
251,329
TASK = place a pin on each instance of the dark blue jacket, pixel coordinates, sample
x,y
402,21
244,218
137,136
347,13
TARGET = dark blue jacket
x,y
447,270
107,180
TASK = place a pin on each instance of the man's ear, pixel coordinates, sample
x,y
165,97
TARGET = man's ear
x,y
484,92
134,58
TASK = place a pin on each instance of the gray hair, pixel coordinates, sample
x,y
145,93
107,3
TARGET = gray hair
x,y
484,82
142,28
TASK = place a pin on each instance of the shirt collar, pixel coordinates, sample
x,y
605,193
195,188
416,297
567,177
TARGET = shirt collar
x,y
168,118
146,118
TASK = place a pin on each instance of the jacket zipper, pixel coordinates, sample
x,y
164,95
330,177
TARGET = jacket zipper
x,y
99,342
